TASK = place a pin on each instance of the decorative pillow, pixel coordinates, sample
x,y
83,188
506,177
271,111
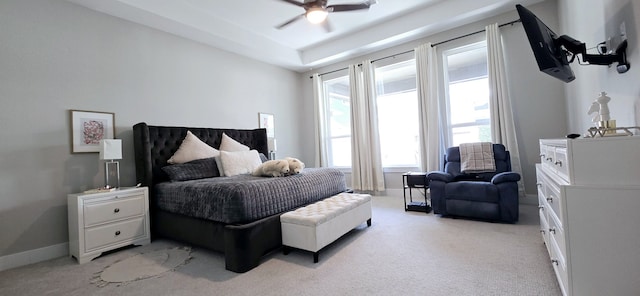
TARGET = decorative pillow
x,y
229,144
192,148
195,169
219,165
239,162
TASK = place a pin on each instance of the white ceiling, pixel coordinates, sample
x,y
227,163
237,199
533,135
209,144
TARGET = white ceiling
x,y
247,27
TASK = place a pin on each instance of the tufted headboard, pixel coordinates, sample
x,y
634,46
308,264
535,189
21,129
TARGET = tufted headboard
x,y
154,145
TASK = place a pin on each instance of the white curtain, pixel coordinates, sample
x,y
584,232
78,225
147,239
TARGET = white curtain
x,y
320,122
502,126
429,130
366,161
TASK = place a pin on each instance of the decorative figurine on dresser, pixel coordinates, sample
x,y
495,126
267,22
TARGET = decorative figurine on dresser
x,y
589,196
604,125
103,220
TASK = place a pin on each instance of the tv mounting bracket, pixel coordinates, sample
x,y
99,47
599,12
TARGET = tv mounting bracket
x,y
576,47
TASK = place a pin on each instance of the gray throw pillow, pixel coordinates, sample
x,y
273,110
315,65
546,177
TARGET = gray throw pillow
x,y
196,169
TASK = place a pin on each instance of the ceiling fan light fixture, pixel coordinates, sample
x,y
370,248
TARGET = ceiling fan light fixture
x,y
316,15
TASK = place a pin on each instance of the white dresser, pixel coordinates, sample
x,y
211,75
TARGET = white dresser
x,y
589,206
100,222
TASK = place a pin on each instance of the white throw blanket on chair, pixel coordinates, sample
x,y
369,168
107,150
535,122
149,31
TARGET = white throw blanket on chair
x,y
477,158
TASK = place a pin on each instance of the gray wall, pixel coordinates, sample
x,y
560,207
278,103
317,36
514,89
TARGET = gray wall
x,y
592,21
56,56
537,99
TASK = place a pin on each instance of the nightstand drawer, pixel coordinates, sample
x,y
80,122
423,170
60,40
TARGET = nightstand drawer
x,y
102,236
114,209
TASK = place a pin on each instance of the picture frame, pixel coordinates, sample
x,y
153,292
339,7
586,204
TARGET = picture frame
x,y
266,121
88,128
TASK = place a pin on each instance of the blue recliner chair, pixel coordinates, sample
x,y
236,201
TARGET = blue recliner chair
x,y
487,196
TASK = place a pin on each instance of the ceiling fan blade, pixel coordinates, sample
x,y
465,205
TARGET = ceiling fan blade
x,y
296,3
290,21
348,7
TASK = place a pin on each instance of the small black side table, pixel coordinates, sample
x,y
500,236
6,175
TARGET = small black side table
x,y
415,180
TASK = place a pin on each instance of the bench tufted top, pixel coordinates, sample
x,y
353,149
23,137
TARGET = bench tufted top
x,y
325,210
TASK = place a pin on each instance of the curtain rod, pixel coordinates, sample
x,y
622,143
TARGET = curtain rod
x,y
473,33
432,45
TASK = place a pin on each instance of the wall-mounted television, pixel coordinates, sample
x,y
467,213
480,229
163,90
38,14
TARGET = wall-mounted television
x,y
550,56
552,51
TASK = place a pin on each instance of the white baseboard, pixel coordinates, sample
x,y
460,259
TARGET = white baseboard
x,y
33,256
529,199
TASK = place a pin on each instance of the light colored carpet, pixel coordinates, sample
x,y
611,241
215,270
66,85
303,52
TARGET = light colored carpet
x,y
402,253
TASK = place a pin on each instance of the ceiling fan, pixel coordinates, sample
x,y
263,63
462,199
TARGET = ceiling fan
x,y
316,11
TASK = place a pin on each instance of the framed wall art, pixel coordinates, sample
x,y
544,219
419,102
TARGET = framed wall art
x,y
266,121
88,128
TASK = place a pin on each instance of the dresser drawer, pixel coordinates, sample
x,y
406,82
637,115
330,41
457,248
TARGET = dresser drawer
x,y
553,198
113,209
544,228
540,183
547,156
561,163
556,232
554,158
559,264
101,236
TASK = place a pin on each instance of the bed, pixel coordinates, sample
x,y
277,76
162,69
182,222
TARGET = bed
x,y
239,215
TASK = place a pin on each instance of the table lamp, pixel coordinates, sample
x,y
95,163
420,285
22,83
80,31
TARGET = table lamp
x,y
111,149
271,145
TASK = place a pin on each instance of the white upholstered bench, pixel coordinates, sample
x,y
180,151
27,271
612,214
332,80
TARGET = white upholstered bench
x,y
316,225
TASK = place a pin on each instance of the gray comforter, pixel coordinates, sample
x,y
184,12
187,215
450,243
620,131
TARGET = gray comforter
x,y
244,198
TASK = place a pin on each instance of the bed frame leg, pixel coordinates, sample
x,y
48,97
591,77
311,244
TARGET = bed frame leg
x,y
286,250
369,222
315,257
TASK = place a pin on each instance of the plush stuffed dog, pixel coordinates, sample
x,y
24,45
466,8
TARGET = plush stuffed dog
x,y
272,168
295,165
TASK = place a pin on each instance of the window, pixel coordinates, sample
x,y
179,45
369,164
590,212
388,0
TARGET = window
x,y
338,121
398,123
467,95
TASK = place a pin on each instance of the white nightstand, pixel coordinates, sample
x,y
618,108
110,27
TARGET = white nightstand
x,y
100,222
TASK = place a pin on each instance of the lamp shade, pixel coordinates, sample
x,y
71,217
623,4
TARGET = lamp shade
x,y
110,149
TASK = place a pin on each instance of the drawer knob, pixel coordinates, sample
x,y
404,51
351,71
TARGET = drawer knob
x,y
550,199
552,230
117,232
116,210
549,159
542,231
558,163
542,156
539,184
541,207
554,261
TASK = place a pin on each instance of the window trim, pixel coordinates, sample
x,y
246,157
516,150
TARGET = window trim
x,y
327,137
444,99
398,59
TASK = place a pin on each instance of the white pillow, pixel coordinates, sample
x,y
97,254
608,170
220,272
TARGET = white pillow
x,y
192,148
219,165
239,162
229,144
